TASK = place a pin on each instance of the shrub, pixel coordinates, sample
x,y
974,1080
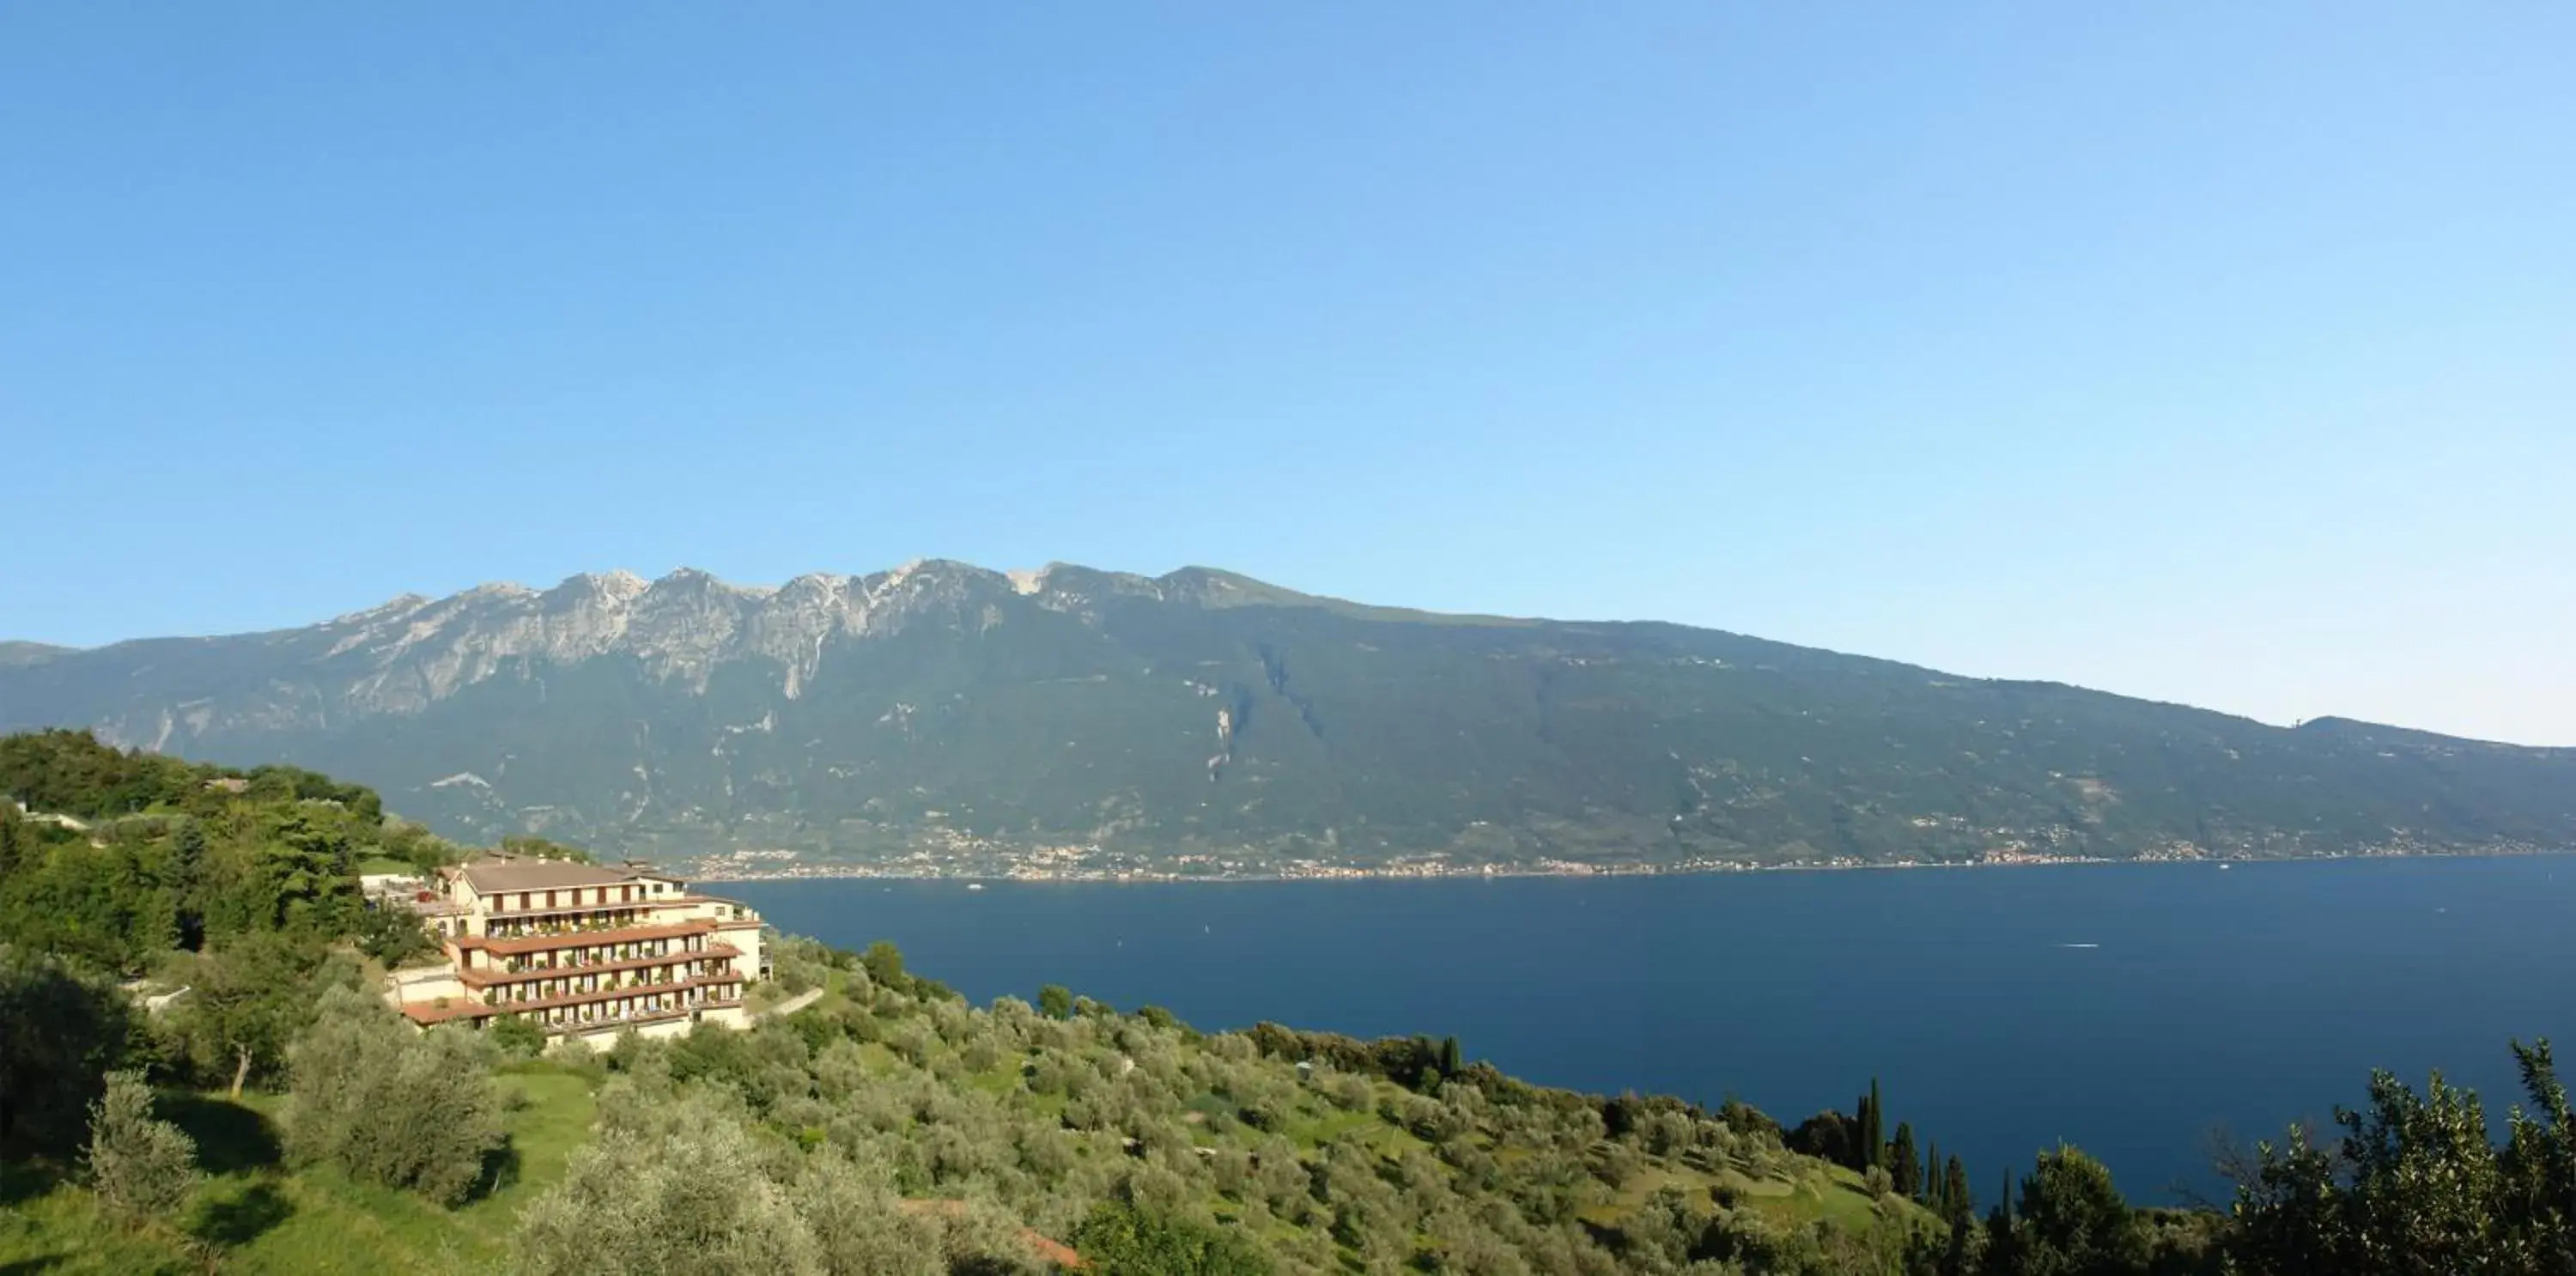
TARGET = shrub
x,y
140,1166
517,1036
391,1105
1126,1241
667,1187
1055,1001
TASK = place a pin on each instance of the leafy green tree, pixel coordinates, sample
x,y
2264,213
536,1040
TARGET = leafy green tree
x,y
860,1226
393,936
61,1030
672,1183
142,1167
1122,1240
305,875
2074,1222
1055,1001
2415,1187
389,1104
517,1036
249,998
1828,1136
2538,1166
16,843
884,964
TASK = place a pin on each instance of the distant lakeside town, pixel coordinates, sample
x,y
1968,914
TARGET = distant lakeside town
x,y
1089,864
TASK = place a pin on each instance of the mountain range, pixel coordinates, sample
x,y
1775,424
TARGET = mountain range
x,y
942,713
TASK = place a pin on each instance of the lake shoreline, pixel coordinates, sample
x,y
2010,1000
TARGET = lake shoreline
x,y
863,872
1996,1009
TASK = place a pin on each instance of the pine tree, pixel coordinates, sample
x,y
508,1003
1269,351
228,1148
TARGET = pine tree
x,y
1904,1169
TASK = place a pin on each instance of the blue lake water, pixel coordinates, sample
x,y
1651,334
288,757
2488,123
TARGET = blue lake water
x,y
2128,1009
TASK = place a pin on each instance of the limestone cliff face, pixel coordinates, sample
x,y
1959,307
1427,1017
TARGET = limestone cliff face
x,y
412,652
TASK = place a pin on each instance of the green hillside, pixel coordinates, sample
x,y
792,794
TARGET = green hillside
x,y
947,709
279,1117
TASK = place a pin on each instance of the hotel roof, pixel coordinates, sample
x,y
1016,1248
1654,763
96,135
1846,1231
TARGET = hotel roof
x,y
489,876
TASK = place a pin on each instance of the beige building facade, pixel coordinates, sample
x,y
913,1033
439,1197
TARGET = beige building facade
x,y
581,950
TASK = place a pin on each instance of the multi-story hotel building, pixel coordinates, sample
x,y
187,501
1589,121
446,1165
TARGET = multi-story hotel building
x,y
582,950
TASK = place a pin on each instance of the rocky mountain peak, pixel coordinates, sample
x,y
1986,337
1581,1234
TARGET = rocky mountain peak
x,y
615,587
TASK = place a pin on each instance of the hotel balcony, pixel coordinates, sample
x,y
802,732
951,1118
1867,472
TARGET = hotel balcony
x,y
553,942
676,997
485,977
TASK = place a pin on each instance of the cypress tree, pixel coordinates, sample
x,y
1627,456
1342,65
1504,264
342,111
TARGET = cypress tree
x,y
2002,1251
1932,1181
1954,1189
1450,1059
1863,1118
187,877
1904,1169
1873,1138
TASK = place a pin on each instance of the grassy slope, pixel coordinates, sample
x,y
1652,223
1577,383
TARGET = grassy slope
x,y
270,1218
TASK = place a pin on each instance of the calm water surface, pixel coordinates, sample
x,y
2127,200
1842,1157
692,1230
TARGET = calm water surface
x,y
2131,1010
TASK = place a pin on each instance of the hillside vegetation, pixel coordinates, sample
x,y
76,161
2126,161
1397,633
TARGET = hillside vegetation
x,y
1244,727
278,1117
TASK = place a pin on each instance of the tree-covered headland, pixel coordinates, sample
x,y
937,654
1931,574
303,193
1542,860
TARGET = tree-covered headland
x,y
276,1115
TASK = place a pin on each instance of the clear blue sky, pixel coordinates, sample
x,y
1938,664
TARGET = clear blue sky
x,y
2213,352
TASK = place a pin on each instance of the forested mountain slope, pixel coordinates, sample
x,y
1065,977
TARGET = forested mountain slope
x,y
1203,713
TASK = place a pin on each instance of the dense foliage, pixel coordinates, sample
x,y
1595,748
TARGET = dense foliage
x,y
62,1030
2414,1187
124,856
1171,1150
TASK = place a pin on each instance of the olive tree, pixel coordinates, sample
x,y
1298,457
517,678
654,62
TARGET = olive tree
x,y
139,1165
390,1104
